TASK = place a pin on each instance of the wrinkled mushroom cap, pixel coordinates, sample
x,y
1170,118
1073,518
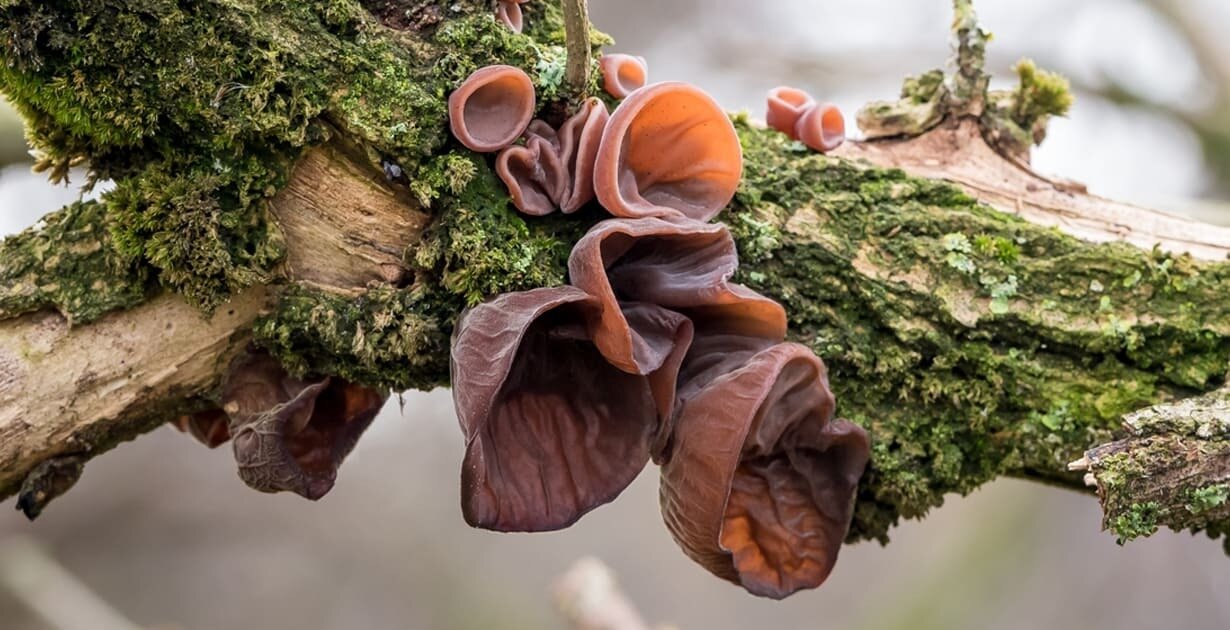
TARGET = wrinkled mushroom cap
x,y
668,150
552,429
623,74
555,169
822,128
682,265
533,174
492,108
786,105
760,487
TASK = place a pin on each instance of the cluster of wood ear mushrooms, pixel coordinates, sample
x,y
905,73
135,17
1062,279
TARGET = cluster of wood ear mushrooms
x,y
650,353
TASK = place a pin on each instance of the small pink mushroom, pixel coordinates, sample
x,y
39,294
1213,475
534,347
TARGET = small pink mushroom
x,y
508,12
786,106
795,113
623,74
492,108
668,150
822,128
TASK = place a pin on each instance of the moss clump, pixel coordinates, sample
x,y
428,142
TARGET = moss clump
x,y
200,225
197,110
480,246
1016,120
384,338
1139,521
970,343
68,262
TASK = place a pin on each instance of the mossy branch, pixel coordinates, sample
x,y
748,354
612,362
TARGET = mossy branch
x,y
1172,470
971,342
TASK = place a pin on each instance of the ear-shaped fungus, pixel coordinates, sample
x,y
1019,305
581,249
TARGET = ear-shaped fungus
x,y
552,429
682,265
668,150
822,128
623,74
508,12
786,106
291,435
208,427
492,108
555,170
760,485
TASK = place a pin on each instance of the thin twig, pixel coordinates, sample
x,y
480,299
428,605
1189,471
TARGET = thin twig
x,y
576,32
51,592
589,599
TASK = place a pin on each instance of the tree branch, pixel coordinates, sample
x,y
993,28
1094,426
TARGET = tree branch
x,y
972,343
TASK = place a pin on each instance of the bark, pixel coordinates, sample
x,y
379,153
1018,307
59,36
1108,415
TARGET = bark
x,y
969,335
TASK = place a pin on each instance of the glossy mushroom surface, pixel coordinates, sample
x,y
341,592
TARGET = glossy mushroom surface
x,y
623,74
822,128
508,12
681,265
552,429
491,108
555,169
786,105
760,486
668,150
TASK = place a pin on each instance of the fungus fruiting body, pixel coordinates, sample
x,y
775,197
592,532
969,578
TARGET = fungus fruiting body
x,y
508,12
668,150
795,113
623,74
552,429
651,353
759,488
288,434
491,108
786,106
821,128
555,169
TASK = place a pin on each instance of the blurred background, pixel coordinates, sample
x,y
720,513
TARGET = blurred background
x,y
162,533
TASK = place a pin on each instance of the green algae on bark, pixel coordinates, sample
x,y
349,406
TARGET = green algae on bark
x,y
1172,469
970,343
68,262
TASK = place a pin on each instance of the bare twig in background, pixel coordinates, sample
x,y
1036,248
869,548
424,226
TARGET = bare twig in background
x,y
589,599
58,598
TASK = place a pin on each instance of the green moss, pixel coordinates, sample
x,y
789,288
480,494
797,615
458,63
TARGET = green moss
x,y
1138,522
384,338
1202,500
68,262
198,110
1040,93
480,246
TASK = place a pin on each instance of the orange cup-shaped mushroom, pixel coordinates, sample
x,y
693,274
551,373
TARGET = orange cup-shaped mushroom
x,y
623,74
492,108
669,150
759,488
786,106
821,128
